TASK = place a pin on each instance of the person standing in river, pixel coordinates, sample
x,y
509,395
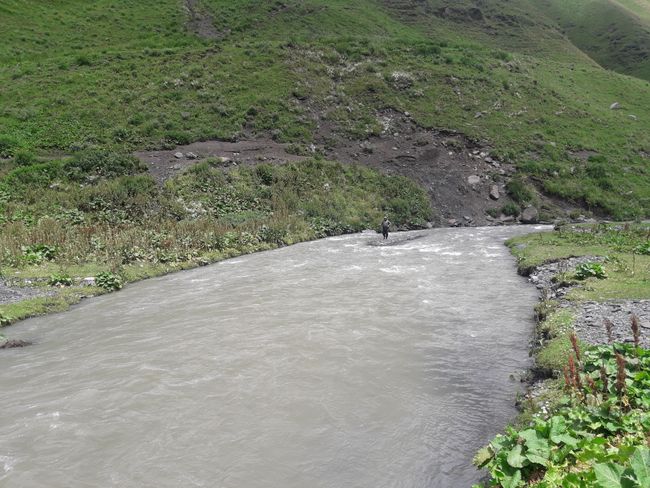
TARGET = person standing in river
x,y
385,225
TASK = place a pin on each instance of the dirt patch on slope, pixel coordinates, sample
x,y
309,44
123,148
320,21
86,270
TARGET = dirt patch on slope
x,y
461,177
168,163
459,174
200,22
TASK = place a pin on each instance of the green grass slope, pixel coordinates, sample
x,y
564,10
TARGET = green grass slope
x,y
614,33
127,75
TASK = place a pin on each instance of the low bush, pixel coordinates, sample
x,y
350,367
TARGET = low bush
x,y
590,270
108,281
59,279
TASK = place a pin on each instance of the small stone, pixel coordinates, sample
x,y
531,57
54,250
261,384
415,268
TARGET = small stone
x,y
494,192
632,116
191,155
88,281
178,155
615,106
473,180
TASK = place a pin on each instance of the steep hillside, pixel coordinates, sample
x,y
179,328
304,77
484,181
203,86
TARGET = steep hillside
x,y
614,33
496,76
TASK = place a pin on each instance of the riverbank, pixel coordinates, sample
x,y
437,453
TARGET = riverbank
x,y
586,417
87,225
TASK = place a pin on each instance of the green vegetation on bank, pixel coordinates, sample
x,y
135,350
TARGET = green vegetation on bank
x,y
594,437
127,75
591,428
97,215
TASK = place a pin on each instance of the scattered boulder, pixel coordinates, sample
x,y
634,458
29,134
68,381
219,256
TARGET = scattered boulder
x,y
191,155
530,215
615,106
473,180
178,155
632,116
494,192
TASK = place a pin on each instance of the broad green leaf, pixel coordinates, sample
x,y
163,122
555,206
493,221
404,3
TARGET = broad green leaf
x,y
558,427
640,463
515,459
566,439
536,459
535,442
608,475
512,481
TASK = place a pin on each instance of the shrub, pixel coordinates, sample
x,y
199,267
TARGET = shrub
x,y
511,209
8,146
24,158
108,281
102,163
59,279
590,270
38,253
519,191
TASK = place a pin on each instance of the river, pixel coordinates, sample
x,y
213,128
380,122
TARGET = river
x,y
336,363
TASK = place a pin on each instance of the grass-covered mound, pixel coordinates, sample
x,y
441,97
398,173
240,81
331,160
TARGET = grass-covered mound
x,y
97,215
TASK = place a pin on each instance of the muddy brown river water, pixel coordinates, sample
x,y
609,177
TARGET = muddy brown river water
x,y
336,363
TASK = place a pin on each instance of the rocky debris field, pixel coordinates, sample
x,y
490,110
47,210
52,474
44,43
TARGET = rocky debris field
x,y
466,183
13,294
590,316
590,326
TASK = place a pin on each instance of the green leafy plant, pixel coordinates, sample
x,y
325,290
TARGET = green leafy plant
x,y
108,281
596,437
590,270
59,279
37,253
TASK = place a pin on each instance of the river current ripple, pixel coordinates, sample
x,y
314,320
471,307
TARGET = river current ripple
x,y
336,363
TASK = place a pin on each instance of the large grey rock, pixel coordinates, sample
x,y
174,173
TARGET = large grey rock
x,y
191,155
530,215
615,106
494,192
88,281
178,155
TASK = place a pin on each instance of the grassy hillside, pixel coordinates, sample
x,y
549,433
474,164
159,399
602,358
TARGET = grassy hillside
x,y
127,75
614,33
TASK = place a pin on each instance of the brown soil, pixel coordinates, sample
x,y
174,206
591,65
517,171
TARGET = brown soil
x,y
457,173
